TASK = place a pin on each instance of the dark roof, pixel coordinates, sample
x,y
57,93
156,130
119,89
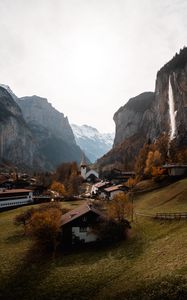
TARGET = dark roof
x,y
101,184
115,188
170,166
14,191
78,212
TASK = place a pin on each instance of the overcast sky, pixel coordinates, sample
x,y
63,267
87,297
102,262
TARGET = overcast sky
x,y
88,57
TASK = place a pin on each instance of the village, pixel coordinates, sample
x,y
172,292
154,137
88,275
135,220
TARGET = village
x,y
96,196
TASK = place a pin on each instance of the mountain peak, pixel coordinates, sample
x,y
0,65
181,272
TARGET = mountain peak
x,y
92,142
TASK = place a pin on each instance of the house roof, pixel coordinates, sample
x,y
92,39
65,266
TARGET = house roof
x,y
78,212
101,184
115,188
170,166
14,191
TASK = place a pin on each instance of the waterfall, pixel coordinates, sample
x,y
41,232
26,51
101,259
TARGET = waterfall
x,y
172,112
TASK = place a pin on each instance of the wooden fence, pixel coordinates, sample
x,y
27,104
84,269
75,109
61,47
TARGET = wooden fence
x,y
171,216
164,216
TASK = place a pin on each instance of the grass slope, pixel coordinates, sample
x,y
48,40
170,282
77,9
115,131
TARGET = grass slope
x,y
172,198
152,264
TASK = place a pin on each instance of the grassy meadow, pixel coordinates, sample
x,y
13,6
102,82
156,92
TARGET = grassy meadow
x,y
151,264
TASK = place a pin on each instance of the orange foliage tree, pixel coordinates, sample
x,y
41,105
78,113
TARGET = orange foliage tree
x,y
58,187
119,208
44,228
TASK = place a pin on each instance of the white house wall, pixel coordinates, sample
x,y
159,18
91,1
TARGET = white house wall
x,y
87,236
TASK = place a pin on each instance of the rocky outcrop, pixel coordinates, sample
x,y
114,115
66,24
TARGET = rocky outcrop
x,y
52,131
17,144
39,112
135,117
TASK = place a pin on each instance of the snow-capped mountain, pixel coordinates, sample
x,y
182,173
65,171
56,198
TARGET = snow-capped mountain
x,y
92,142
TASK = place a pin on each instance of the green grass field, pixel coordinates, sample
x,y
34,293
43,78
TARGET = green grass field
x,y
151,264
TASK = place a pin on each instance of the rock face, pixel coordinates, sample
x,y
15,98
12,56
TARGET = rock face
x,y
52,131
39,112
135,117
33,134
148,115
175,73
17,143
92,142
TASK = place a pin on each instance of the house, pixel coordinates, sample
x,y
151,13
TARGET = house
x,y
77,225
15,197
117,176
176,169
113,190
88,175
99,187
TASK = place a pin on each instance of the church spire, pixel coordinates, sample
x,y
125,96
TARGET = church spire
x,y
83,160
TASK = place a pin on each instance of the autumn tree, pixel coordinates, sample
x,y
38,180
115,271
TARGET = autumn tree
x,y
131,183
44,228
119,208
141,161
58,187
115,227
153,164
68,174
24,218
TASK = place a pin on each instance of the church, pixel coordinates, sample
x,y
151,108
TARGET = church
x,y
88,174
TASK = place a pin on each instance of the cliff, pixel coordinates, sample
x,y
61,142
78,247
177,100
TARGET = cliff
x,y
145,117
135,118
17,144
171,90
33,134
37,111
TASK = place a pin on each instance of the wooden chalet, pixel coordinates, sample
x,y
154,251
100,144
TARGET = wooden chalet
x,y
77,225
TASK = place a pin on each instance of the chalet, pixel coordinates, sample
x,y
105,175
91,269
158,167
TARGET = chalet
x,y
77,225
111,191
15,197
117,176
175,169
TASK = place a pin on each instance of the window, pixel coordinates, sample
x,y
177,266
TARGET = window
x,y
83,229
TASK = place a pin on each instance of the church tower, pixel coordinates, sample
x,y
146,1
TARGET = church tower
x,y
83,166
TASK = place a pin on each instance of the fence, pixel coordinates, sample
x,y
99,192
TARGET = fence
x,y
171,216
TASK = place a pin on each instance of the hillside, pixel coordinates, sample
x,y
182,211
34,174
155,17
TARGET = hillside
x,y
172,198
152,264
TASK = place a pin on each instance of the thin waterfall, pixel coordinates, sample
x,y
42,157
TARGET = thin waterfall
x,y
172,112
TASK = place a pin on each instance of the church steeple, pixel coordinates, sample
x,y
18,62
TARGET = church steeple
x,y
83,165
83,160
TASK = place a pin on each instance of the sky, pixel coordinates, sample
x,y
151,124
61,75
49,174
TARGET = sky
x,y
88,57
